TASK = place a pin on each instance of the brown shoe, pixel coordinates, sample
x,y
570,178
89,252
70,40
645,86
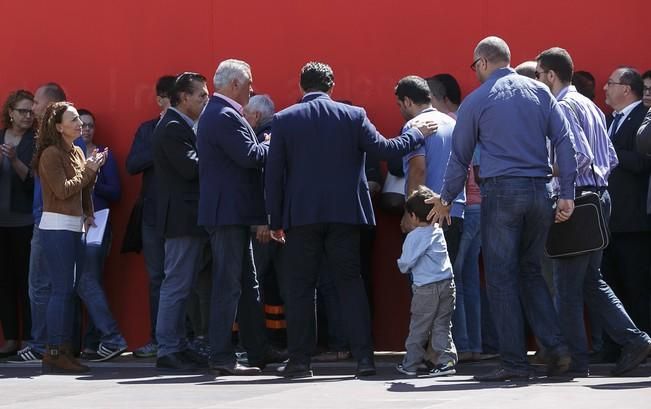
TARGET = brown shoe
x,y
58,359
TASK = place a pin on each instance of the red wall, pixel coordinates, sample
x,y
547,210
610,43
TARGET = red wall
x,y
107,55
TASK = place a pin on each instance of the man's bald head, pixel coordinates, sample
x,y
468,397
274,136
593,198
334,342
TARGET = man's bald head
x,y
494,50
45,95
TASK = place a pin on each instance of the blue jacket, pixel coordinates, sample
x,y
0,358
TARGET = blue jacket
x,y
141,160
315,171
230,168
107,185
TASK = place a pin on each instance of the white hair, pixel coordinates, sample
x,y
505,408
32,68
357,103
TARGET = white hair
x,y
230,70
262,104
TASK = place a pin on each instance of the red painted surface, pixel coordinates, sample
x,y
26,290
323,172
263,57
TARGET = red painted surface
x,y
108,55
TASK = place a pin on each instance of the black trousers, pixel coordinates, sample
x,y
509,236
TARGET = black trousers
x,y
14,268
306,246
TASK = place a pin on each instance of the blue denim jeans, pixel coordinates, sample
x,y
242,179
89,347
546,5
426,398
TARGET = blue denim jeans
x,y
39,292
101,325
516,213
63,252
153,250
466,321
578,280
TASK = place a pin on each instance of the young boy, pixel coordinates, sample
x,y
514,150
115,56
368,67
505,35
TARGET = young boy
x,y
425,257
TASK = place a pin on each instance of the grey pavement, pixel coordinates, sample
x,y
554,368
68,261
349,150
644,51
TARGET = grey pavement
x,y
131,383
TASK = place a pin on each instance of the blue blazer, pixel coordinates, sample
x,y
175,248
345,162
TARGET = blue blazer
x,y
230,168
315,170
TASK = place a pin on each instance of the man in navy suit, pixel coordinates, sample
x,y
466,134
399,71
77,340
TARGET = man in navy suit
x,y
176,163
626,260
231,201
318,195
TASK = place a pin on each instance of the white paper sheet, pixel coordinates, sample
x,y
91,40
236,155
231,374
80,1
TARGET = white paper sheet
x,y
95,233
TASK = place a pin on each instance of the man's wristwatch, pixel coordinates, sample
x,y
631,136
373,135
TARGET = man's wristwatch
x,y
445,202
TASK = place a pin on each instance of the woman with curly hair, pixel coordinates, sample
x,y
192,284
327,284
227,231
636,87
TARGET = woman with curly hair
x,y
16,192
67,180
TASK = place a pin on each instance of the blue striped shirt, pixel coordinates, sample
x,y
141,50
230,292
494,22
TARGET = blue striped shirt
x,y
588,124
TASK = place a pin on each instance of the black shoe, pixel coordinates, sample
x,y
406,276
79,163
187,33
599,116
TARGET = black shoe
x,y
234,368
295,370
502,374
272,356
365,367
558,361
176,361
632,355
197,358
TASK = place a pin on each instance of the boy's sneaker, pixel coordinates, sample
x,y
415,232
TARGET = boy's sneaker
x,y
443,370
105,353
149,350
406,371
26,355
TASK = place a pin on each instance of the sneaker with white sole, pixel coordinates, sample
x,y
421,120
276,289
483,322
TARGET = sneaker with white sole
x,y
105,353
26,355
443,370
149,350
406,371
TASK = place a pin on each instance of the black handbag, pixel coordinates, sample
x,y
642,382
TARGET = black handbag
x,y
584,232
132,242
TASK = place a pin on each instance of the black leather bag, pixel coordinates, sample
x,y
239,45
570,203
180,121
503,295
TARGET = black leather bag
x,y
584,232
132,242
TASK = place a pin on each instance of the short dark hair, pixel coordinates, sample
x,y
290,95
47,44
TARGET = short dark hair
x,y
631,77
414,88
445,86
83,111
647,74
416,202
558,60
584,83
184,84
317,76
54,92
164,86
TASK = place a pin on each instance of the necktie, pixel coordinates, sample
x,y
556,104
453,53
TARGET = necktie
x,y
615,124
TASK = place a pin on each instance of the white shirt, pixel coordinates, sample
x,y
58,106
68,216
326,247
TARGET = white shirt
x,y
625,112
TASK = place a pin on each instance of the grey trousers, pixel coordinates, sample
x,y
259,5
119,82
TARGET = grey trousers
x,y
432,306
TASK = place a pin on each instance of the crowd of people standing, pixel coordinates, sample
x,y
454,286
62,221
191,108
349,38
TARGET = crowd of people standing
x,y
246,188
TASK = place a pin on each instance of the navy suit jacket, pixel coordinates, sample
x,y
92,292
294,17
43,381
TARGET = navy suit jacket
x,y
315,170
629,181
176,163
230,168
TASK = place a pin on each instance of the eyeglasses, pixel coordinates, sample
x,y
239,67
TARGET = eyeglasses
x,y
646,90
539,74
474,63
88,125
611,82
24,112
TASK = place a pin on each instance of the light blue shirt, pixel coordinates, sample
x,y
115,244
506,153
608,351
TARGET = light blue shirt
x,y
510,117
437,153
186,118
591,139
425,256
